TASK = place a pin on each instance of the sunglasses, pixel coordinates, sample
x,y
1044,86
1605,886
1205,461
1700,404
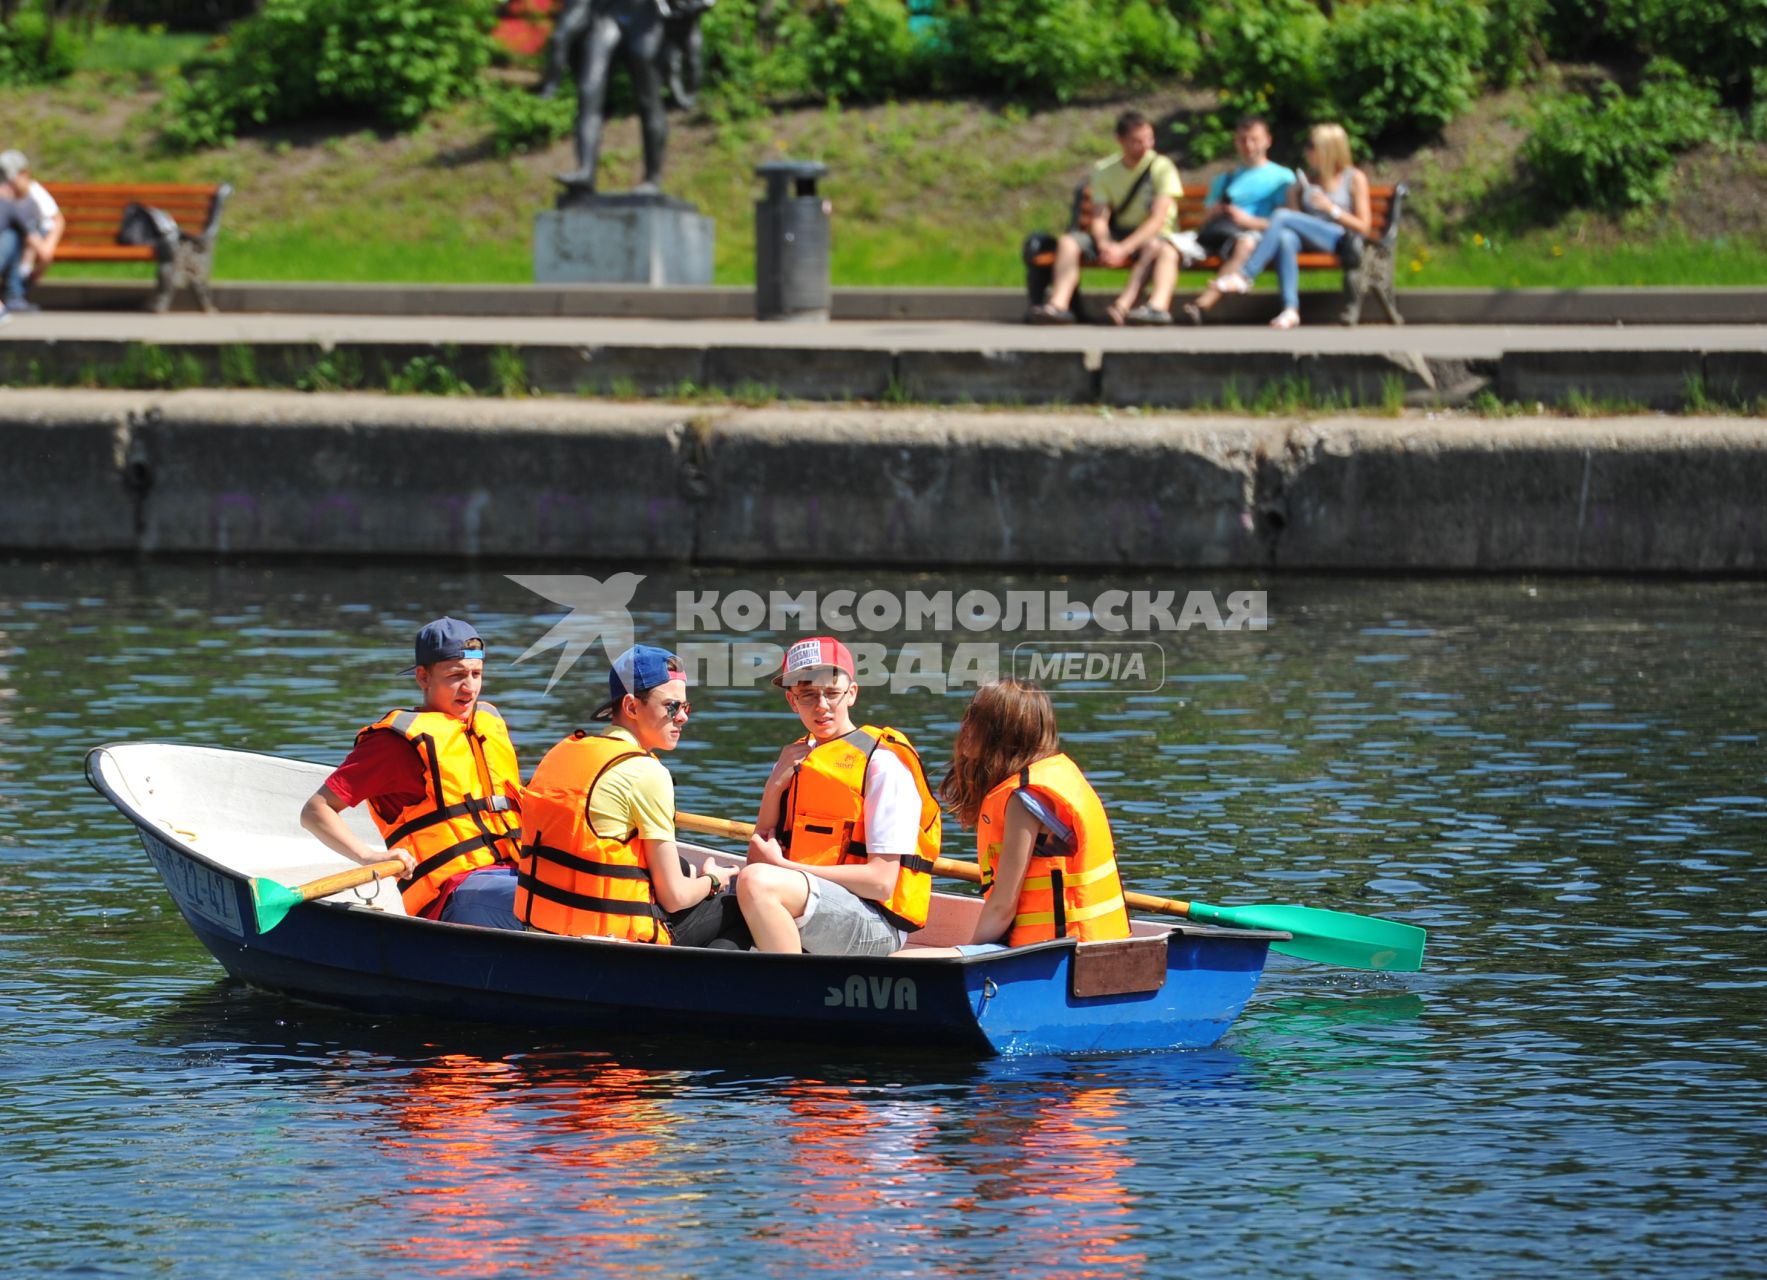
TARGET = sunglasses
x,y
676,706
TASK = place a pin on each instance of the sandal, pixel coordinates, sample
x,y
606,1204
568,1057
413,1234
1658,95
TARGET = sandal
x,y
1118,313
1193,313
1043,313
1287,318
1149,316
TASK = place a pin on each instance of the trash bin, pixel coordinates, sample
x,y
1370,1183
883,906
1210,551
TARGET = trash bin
x,y
791,243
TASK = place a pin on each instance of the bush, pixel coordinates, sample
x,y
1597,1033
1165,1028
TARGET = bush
x,y
751,57
1515,39
1264,60
1403,67
1154,44
1613,151
391,60
1721,40
520,121
32,53
1038,48
858,50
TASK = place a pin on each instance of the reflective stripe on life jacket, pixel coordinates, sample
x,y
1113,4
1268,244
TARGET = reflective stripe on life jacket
x,y
1068,892
822,817
469,816
571,880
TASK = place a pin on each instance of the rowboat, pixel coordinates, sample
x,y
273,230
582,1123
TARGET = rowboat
x,y
218,824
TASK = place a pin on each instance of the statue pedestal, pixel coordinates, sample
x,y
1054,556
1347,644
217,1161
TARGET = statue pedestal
x,y
632,238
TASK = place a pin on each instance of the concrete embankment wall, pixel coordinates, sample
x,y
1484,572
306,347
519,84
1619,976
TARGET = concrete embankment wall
x,y
356,475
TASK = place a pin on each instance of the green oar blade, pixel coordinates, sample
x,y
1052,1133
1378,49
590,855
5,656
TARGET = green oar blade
x,y
271,902
1329,937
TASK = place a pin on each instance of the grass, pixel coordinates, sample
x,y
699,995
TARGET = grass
x,y
923,193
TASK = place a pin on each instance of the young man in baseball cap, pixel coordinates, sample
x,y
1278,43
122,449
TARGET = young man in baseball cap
x,y
442,785
599,856
842,857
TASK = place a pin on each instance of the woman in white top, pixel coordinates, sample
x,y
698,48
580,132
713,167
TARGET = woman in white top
x,y
1321,212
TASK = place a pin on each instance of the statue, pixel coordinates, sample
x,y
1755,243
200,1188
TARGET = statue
x,y
658,40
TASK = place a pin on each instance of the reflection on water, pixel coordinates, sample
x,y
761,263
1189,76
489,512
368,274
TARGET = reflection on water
x,y
1562,780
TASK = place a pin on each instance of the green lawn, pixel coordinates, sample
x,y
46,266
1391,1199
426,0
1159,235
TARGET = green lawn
x,y
924,193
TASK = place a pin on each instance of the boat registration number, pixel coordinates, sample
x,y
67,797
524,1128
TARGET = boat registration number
x,y
198,890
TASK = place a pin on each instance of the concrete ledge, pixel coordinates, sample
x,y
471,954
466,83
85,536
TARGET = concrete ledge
x,y
736,302
352,475
1659,379
362,475
1618,496
69,482
998,377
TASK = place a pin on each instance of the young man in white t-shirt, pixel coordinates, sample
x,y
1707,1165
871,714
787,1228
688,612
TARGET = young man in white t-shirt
x,y
15,173
812,883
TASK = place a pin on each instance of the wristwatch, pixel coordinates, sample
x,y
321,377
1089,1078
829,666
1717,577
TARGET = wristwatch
x,y
717,885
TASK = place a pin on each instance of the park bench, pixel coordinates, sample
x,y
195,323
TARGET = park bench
x,y
145,222
1374,274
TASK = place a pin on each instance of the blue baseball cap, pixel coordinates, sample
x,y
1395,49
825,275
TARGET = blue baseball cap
x,y
637,671
444,640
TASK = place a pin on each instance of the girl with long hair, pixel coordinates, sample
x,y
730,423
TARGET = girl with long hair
x,y
1043,842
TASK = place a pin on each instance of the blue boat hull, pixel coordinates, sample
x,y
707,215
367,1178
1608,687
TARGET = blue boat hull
x,y
1014,1002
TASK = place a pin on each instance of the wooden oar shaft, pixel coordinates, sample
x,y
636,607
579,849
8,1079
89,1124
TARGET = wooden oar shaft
x,y
328,885
944,866
714,826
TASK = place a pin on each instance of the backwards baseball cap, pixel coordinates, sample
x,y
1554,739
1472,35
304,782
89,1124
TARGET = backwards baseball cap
x,y
444,640
637,671
12,163
808,659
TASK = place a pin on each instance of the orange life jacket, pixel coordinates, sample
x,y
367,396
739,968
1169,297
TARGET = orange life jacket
x,y
571,880
469,816
822,817
1073,893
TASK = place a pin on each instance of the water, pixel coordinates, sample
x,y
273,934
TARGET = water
x,y
1562,780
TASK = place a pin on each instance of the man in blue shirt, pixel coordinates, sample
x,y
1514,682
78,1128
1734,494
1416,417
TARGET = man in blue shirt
x,y
1240,203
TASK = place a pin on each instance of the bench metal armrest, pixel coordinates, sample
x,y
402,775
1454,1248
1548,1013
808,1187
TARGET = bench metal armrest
x,y
1395,207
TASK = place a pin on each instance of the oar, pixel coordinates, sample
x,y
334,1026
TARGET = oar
x,y
1329,937
273,901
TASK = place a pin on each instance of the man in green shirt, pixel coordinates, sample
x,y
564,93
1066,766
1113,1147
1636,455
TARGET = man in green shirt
x,y
1133,221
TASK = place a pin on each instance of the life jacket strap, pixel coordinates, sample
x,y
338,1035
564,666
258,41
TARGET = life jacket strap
x,y
587,902
436,861
470,805
588,866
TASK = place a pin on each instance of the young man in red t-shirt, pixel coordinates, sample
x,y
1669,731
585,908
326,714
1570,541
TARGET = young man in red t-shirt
x,y
441,782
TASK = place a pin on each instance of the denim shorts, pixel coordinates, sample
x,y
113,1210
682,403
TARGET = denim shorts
x,y
838,922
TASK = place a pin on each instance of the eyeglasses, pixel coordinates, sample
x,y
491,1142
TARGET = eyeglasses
x,y
813,697
674,707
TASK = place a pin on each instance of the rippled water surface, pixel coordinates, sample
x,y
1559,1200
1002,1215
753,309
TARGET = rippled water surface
x,y
1562,780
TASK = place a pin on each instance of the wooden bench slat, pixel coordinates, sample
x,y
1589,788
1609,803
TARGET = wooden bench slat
x,y
65,252
130,190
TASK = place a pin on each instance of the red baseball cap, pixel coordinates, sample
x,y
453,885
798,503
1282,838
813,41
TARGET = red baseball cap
x,y
807,658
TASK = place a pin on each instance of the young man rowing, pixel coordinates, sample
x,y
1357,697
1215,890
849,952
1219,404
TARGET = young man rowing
x,y
441,782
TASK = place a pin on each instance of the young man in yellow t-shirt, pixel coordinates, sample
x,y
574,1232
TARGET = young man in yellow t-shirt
x,y
1135,197
632,802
